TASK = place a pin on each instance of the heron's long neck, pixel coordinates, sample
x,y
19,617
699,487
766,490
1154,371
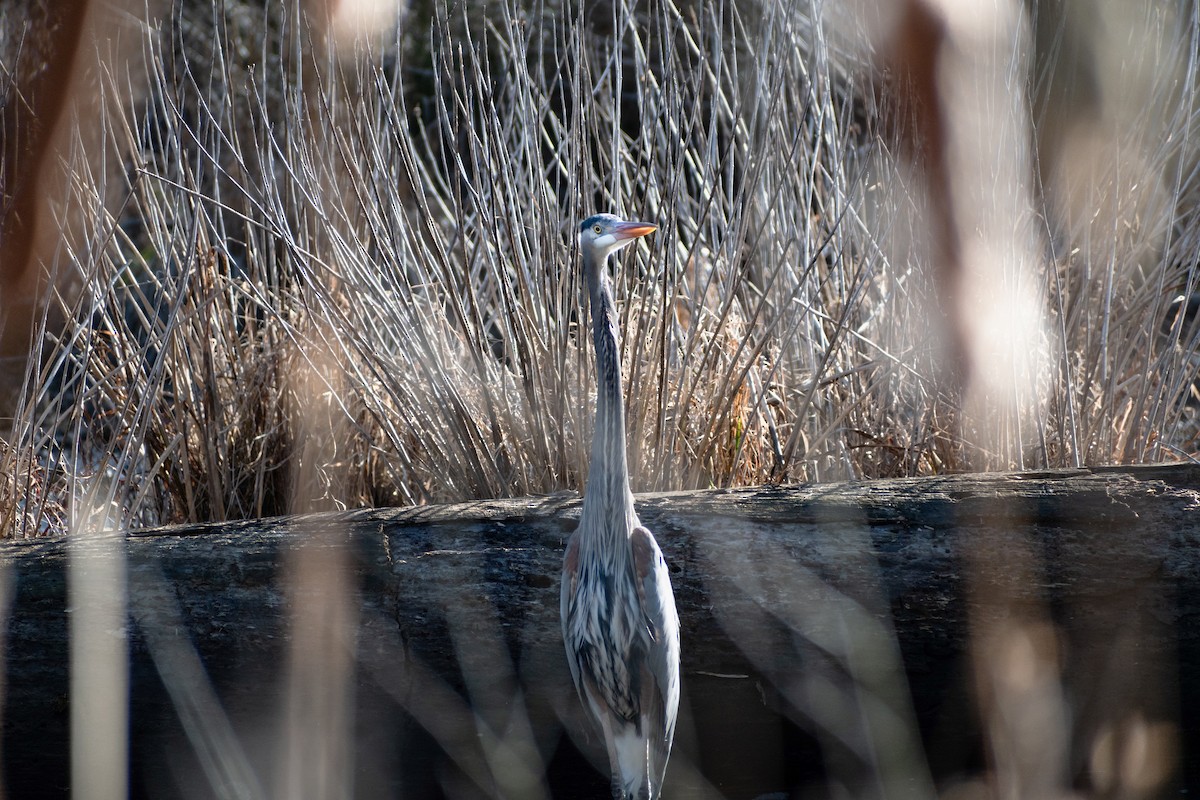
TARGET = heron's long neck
x,y
608,480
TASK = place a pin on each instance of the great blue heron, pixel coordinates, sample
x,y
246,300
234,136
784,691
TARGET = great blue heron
x,y
619,622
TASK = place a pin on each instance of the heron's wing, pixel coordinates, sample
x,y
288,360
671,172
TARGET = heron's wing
x,y
570,581
662,653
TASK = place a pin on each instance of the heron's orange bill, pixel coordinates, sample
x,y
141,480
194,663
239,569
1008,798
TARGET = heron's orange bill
x,y
632,230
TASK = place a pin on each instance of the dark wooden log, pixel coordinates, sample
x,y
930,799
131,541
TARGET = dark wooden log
x,y
882,637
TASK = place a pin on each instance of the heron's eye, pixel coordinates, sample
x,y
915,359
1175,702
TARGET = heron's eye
x,y
597,228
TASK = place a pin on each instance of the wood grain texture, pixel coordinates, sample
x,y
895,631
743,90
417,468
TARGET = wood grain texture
x,y
814,619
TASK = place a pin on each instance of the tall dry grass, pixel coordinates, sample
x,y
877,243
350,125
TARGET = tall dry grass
x,y
388,237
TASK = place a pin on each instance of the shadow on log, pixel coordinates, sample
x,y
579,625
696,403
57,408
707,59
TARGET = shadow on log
x,y
891,638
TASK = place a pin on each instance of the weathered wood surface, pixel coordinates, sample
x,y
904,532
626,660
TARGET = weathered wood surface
x,y
798,606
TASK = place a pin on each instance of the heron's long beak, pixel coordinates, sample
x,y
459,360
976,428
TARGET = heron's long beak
x,y
632,230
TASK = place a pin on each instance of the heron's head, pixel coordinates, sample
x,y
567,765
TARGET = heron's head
x,y
605,233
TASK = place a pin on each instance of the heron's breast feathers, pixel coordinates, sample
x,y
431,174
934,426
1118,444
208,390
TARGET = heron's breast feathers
x,y
604,633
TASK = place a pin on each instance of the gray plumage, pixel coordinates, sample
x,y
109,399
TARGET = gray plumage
x,y
619,622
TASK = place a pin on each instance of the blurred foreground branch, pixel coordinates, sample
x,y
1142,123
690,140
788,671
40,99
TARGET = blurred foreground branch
x,y
827,630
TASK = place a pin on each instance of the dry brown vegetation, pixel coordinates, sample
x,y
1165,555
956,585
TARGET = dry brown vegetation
x,y
355,271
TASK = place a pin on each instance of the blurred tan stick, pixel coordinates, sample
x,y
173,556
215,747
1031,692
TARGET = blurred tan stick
x,y
915,120
96,587
42,95
34,135
318,719
50,83
1015,654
